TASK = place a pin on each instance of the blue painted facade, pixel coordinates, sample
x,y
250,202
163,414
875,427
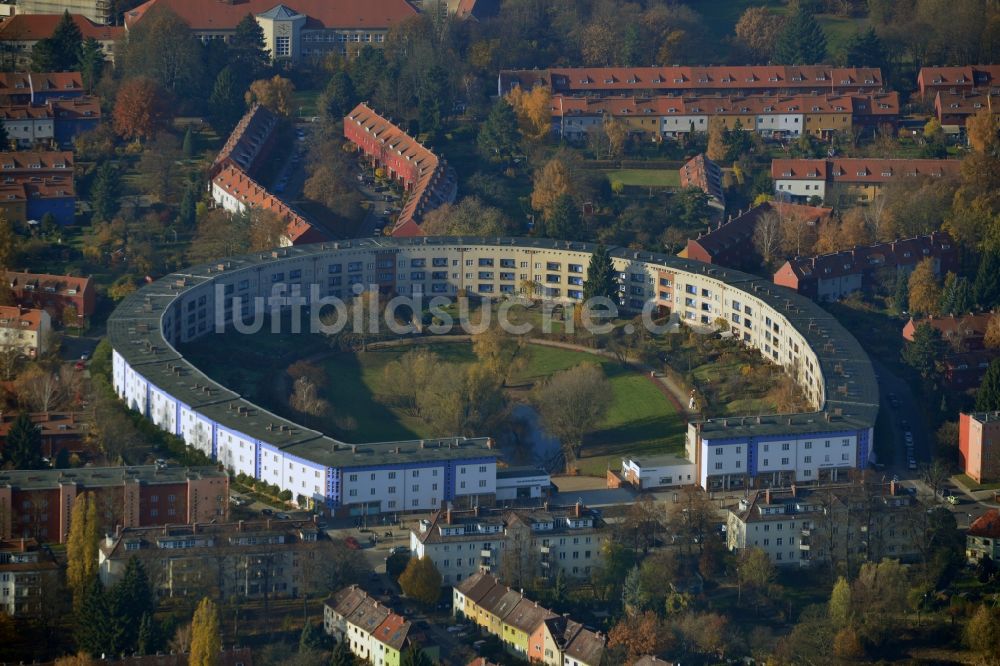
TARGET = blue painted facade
x,y
62,208
66,129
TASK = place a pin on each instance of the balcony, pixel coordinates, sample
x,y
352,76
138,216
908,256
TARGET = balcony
x,y
486,554
545,550
806,533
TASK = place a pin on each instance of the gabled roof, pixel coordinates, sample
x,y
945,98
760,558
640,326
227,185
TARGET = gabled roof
x,y
253,195
368,615
345,601
393,631
33,27
739,230
862,169
986,525
347,14
969,325
63,285
475,587
764,77
244,144
965,103
586,647
35,161
13,316
527,615
902,252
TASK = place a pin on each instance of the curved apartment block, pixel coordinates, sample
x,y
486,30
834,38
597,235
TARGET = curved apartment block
x,y
150,374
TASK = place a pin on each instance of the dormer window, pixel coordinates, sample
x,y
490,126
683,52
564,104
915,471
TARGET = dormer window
x,y
719,109
768,109
696,109
609,80
815,108
633,80
954,105
863,172
906,255
773,79
703,79
870,81
887,174
744,109
977,105
787,174
678,80
838,108
671,110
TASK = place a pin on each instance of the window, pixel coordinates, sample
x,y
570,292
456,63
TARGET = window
x,y
282,46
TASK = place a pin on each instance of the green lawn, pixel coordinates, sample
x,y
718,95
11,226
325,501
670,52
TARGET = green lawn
x,y
644,177
304,103
640,419
971,484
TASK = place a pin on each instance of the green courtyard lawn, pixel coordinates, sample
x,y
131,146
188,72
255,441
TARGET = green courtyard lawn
x,y
641,420
644,177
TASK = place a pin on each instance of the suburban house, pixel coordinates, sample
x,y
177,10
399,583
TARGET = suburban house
x,y
979,445
730,243
547,539
54,293
773,117
37,87
59,431
712,80
843,181
28,577
428,180
293,29
74,116
247,559
373,632
953,109
704,174
960,79
35,163
966,358
983,538
802,527
832,276
128,496
19,33
24,329
527,630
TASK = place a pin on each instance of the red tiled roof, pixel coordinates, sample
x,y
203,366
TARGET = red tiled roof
x,y
986,525
12,316
253,195
960,76
348,14
704,174
903,252
740,230
947,103
861,169
35,161
45,187
764,77
88,107
965,325
709,105
244,144
45,282
432,185
65,424
23,83
32,27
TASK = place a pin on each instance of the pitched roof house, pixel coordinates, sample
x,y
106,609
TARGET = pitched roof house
x,y
833,276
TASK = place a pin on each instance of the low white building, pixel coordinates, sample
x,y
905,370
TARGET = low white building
x,y
25,330
522,483
663,471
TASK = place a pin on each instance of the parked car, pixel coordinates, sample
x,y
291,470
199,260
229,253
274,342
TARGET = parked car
x,y
951,499
399,549
266,512
352,543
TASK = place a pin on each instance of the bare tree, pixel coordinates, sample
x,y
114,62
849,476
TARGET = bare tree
x,y
767,236
572,403
878,218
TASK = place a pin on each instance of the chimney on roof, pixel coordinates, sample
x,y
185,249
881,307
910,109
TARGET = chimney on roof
x,y
239,526
447,515
767,496
577,508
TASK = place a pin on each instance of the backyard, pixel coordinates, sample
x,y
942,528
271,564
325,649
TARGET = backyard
x,y
644,177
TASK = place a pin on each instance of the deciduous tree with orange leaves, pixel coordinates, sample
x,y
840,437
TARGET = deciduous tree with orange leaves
x,y
275,94
139,111
534,111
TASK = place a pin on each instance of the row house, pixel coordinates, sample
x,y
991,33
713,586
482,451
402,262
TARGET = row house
x,y
373,632
36,87
953,109
545,540
958,79
25,330
983,538
966,358
36,163
54,293
979,445
56,121
59,431
250,143
730,243
428,180
29,577
773,117
28,199
718,80
829,277
249,560
293,30
20,33
38,503
704,174
845,181
238,193
527,630
804,527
